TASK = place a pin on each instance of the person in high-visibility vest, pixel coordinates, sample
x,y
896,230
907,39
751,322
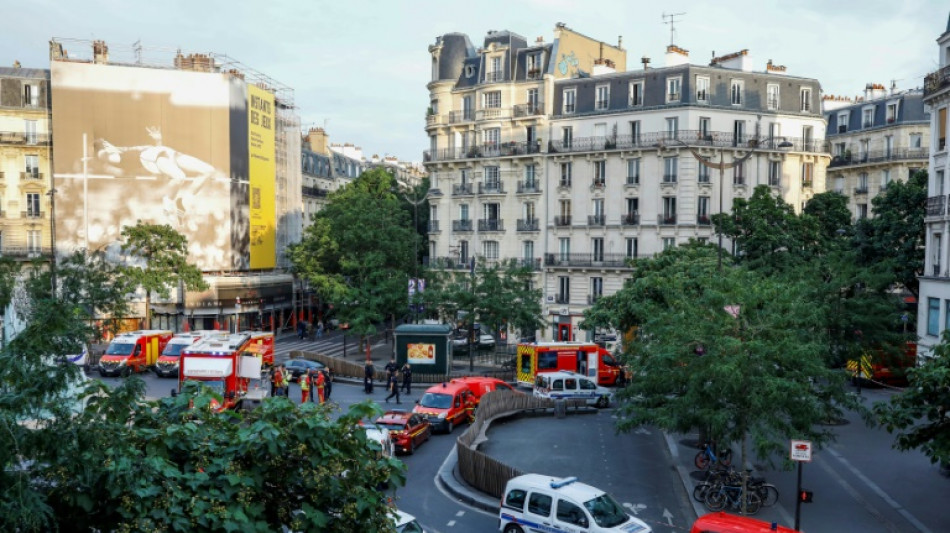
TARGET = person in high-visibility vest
x,y
285,383
304,388
319,380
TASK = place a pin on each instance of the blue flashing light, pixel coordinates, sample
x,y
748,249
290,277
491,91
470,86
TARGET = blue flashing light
x,y
563,482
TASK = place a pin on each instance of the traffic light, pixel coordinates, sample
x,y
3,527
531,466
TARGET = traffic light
x,y
805,496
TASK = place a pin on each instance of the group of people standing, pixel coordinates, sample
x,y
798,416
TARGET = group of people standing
x,y
318,381
308,330
393,376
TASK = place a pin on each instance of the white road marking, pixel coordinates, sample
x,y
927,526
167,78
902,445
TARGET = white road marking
x,y
668,516
451,523
635,508
460,514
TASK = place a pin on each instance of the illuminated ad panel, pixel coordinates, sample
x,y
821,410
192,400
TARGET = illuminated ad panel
x,y
144,144
261,122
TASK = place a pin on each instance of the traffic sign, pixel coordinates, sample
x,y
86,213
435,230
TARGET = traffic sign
x,y
801,450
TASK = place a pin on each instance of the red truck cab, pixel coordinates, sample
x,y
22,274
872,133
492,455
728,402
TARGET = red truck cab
x,y
447,405
587,359
168,362
219,363
135,351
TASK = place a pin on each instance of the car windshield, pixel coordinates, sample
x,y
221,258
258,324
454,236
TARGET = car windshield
x,y
119,349
392,427
411,527
173,350
217,385
436,401
606,511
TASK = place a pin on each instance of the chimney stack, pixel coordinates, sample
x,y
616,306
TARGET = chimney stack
x,y
646,62
100,52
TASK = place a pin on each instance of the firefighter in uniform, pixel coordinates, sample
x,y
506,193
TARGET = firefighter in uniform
x,y
470,407
319,381
304,388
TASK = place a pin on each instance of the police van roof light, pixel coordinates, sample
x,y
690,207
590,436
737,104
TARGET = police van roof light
x,y
563,482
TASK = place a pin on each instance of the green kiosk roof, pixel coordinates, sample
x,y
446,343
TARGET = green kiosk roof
x,y
424,329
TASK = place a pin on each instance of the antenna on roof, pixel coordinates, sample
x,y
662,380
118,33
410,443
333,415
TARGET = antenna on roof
x,y
137,47
672,23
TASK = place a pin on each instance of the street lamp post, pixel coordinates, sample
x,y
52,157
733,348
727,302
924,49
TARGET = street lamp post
x,y
722,166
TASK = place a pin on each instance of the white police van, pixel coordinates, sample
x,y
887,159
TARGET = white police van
x,y
566,385
536,503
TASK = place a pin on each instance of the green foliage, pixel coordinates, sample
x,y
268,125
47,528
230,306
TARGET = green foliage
x,y
502,296
894,236
920,415
763,375
416,204
770,236
158,260
357,253
830,210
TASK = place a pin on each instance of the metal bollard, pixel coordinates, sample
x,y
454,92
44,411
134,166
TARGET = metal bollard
x,y
560,408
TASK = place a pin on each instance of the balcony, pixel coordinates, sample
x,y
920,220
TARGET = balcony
x,y
527,110
461,189
464,115
562,299
861,189
631,219
529,187
490,224
937,206
585,260
528,224
25,139
493,113
739,181
669,179
31,176
462,225
666,220
935,270
25,252
491,187
936,81
703,220
494,77
713,139
533,263
592,298
596,220
880,156
633,181
31,214
867,124
433,226
435,119
564,184
807,184
314,192
562,220
597,183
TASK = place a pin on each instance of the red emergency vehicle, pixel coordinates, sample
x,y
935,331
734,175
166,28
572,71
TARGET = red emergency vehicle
x,y
262,346
167,364
135,351
219,363
447,405
721,522
884,367
587,359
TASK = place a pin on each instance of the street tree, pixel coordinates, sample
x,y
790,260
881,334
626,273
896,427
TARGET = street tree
x,y
157,260
920,414
9,269
894,236
830,210
502,296
737,354
768,234
357,253
416,204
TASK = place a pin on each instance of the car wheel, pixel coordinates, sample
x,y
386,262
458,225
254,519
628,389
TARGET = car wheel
x,y
449,427
412,447
513,528
126,372
602,402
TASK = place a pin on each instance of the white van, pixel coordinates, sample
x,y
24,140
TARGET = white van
x,y
566,385
533,502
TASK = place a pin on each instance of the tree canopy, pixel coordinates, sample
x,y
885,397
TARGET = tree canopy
x,y
158,260
357,253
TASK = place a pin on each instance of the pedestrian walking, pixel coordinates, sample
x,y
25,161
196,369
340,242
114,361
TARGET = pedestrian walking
x,y
393,387
407,378
304,388
301,329
368,372
320,329
328,385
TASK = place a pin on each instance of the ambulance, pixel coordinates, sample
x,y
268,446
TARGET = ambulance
x,y
135,351
167,364
262,346
587,359
219,362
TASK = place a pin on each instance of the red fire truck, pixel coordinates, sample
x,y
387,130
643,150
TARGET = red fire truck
x,y
135,351
167,364
261,345
219,362
587,359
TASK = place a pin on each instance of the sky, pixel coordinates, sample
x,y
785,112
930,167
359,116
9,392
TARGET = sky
x,y
359,68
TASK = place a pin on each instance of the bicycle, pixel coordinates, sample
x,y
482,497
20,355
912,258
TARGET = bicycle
x,y
708,456
767,492
731,495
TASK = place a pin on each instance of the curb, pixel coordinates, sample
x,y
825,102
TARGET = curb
x,y
684,476
460,490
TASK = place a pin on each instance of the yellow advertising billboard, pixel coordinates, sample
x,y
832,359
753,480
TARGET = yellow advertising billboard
x,y
261,170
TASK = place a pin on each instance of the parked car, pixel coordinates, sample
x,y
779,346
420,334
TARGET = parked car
x,y
296,367
565,385
406,523
486,342
482,385
407,430
383,437
447,405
